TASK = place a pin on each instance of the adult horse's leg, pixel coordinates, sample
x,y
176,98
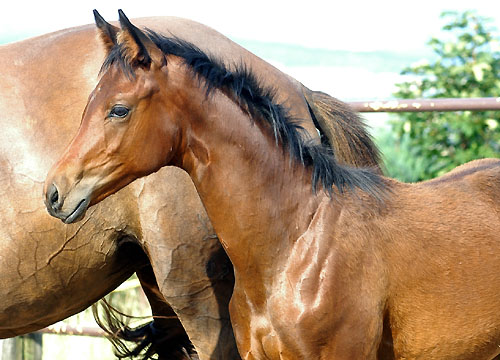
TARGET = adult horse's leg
x,y
199,293
169,339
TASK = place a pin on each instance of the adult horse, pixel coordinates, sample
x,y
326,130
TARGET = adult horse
x,y
50,271
330,262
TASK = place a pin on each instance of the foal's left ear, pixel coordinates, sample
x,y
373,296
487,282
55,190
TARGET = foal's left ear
x,y
107,32
138,47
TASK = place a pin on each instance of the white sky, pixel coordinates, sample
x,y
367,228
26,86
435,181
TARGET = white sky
x,y
395,25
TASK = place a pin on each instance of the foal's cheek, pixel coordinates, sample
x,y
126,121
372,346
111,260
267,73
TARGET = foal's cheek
x,y
111,142
116,137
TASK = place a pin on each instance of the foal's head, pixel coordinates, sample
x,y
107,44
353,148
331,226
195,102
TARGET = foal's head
x,y
134,121
119,136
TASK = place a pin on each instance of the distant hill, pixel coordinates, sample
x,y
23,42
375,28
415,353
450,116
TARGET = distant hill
x,y
295,55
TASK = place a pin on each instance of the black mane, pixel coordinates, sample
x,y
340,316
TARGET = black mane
x,y
259,100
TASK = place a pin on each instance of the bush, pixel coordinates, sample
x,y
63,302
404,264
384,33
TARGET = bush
x,y
467,65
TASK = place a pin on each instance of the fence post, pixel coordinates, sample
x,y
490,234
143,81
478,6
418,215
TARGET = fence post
x,y
26,347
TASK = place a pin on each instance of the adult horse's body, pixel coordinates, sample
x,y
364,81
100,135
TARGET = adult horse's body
x,y
333,274
49,270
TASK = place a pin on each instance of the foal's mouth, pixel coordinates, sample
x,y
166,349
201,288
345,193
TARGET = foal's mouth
x,y
78,213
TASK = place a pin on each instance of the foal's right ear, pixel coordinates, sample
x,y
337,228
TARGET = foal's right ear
x,y
107,32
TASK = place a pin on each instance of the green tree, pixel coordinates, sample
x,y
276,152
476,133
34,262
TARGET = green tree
x,y
467,65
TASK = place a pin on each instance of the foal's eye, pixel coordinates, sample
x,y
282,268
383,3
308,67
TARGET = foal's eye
x,y
118,111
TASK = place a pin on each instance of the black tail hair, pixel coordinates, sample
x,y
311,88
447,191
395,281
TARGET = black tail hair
x,y
151,342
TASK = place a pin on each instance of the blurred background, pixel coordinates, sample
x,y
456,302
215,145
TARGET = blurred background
x,y
352,50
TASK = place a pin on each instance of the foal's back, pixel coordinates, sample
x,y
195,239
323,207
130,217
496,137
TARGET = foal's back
x,y
442,245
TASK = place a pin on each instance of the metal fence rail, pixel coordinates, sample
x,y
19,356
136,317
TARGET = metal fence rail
x,y
73,330
420,105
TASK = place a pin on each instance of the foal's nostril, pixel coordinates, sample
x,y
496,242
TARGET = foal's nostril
x,y
53,196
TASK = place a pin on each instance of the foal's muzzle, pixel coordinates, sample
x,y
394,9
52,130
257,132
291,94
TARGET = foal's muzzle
x,y
54,203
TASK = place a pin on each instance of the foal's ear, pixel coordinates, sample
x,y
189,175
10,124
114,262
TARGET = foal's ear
x,y
138,48
107,32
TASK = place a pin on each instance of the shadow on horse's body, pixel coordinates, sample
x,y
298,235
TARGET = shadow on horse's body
x,y
330,262
51,270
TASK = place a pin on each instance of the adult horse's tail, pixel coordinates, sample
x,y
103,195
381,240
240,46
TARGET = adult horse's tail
x,y
149,339
345,131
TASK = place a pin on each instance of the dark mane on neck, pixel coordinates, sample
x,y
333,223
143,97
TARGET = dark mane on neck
x,y
259,102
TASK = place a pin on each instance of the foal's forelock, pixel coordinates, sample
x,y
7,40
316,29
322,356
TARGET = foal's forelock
x,y
243,87
117,56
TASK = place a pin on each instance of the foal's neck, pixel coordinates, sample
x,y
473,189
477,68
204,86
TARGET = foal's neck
x,y
256,196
